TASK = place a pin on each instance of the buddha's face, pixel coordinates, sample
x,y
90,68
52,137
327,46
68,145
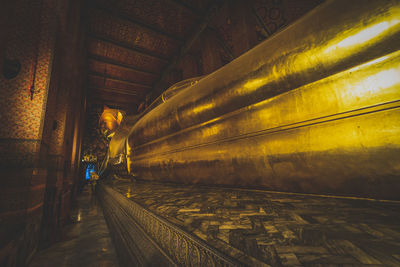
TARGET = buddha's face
x,y
109,121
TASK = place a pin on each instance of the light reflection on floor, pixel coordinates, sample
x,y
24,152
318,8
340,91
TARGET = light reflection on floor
x,y
87,241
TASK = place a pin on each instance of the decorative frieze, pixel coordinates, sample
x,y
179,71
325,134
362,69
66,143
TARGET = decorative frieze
x,y
179,246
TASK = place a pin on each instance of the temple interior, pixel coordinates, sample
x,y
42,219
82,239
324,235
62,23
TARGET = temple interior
x,y
200,133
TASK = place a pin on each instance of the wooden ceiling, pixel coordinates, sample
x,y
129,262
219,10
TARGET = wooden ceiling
x,y
133,43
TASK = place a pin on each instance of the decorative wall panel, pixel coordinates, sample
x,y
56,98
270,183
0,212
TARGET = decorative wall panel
x,y
31,42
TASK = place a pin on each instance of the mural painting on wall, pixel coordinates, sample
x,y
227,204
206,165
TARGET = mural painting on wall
x,y
224,39
276,14
272,14
224,31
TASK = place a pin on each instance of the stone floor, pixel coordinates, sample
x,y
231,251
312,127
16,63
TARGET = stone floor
x,y
278,229
86,242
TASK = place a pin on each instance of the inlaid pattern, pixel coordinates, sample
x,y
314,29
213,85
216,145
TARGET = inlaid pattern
x,y
279,229
182,248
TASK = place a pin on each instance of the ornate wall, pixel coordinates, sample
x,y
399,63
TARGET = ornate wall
x,y
39,137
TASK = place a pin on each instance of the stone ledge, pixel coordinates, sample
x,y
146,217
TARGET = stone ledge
x,y
141,230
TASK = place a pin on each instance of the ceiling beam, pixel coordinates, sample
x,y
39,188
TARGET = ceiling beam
x,y
209,15
121,15
114,91
119,64
132,48
111,78
115,100
188,7
122,105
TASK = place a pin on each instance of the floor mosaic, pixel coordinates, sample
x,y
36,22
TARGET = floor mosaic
x,y
278,229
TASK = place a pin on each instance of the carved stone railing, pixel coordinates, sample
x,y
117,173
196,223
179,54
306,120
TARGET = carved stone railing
x,y
179,247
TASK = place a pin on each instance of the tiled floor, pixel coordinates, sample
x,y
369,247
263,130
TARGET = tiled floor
x,y
87,241
276,228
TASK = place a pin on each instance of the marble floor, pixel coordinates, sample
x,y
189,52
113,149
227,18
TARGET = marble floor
x,y
278,229
86,242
